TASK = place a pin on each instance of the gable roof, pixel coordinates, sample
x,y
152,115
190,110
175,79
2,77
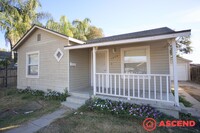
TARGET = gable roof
x,y
141,36
34,27
183,59
145,33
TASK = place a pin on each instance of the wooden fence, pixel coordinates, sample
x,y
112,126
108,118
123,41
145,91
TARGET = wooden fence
x,y
8,77
195,73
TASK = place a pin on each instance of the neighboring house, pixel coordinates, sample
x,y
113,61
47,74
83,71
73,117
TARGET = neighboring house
x,y
4,55
133,66
183,69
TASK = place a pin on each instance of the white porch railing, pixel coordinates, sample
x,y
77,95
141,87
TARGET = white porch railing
x,y
140,86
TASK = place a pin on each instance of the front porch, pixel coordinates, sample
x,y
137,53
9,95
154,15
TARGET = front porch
x,y
140,87
154,87
143,77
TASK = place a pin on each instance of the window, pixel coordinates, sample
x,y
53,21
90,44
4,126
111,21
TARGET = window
x,y
38,37
33,64
135,60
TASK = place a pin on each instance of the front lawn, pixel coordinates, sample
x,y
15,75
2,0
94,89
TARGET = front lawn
x,y
87,120
183,100
17,107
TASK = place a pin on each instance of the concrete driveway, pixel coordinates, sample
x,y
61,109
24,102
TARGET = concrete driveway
x,y
191,88
191,92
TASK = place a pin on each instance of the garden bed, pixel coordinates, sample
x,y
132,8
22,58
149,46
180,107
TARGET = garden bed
x,y
19,106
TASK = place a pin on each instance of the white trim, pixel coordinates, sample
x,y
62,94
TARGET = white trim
x,y
76,40
183,59
175,73
147,48
142,39
188,64
47,30
94,70
169,64
55,54
68,71
32,76
107,52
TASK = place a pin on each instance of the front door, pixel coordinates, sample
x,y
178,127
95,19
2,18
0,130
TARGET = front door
x,y
102,64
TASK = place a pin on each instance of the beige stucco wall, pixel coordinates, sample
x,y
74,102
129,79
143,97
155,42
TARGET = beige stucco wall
x,y
52,74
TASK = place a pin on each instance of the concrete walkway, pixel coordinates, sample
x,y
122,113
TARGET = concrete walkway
x,y
195,109
43,121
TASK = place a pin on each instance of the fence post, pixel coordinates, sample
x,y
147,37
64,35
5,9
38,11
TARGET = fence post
x,y
6,78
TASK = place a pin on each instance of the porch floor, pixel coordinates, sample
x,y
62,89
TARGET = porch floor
x,y
142,95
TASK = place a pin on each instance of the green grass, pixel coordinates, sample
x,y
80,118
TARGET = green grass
x,y
13,105
183,100
86,121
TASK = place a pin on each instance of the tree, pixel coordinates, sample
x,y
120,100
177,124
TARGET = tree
x,y
84,31
81,28
17,16
64,26
183,45
94,33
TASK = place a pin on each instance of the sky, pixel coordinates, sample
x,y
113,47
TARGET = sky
x,y
124,16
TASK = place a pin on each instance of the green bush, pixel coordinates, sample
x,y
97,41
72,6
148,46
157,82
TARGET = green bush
x,y
49,95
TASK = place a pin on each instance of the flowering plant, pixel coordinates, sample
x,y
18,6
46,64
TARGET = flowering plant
x,y
49,95
123,108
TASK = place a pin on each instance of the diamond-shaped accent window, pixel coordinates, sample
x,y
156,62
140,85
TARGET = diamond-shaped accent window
x,y
58,54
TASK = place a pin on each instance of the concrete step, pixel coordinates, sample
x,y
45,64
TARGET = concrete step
x,y
71,105
82,95
76,99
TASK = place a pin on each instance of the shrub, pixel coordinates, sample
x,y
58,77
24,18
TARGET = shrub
x,y
49,95
53,95
122,108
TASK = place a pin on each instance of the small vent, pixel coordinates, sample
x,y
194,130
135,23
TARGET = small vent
x,y
39,37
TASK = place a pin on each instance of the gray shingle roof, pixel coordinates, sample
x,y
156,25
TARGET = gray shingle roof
x,y
146,33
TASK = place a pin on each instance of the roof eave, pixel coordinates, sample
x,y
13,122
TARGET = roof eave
x,y
36,26
134,40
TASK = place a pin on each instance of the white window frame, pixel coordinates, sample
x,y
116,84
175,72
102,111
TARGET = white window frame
x,y
27,59
147,48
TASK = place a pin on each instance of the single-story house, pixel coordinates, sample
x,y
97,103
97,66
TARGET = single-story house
x,y
132,66
183,69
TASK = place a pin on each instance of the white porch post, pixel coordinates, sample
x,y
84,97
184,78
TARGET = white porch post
x,y
68,70
94,70
175,73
